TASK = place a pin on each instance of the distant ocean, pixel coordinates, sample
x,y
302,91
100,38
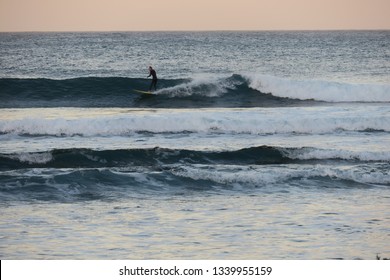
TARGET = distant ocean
x,y
256,145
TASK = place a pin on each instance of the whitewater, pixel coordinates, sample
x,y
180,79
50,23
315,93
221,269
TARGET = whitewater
x,y
256,145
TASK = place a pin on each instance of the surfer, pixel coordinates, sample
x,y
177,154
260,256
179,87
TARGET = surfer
x,y
152,73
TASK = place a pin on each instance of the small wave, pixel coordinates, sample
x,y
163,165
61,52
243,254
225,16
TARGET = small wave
x,y
70,158
158,157
283,175
84,184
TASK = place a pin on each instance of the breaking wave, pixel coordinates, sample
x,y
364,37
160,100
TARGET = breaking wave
x,y
158,157
85,174
200,91
255,121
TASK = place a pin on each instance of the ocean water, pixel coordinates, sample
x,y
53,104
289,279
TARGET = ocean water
x,y
256,145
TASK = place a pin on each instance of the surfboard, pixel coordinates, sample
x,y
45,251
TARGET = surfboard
x,y
142,91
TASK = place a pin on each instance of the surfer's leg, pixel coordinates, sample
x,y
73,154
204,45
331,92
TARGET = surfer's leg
x,y
153,85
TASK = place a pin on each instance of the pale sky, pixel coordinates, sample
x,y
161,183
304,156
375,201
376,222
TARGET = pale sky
x,y
156,15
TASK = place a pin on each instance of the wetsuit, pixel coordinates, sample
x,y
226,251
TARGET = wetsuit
x,y
154,80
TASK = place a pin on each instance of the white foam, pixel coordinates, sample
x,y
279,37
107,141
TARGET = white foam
x,y
31,158
319,90
263,176
324,154
318,120
200,84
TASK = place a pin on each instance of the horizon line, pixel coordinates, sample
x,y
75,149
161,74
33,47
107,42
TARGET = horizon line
x,y
195,30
